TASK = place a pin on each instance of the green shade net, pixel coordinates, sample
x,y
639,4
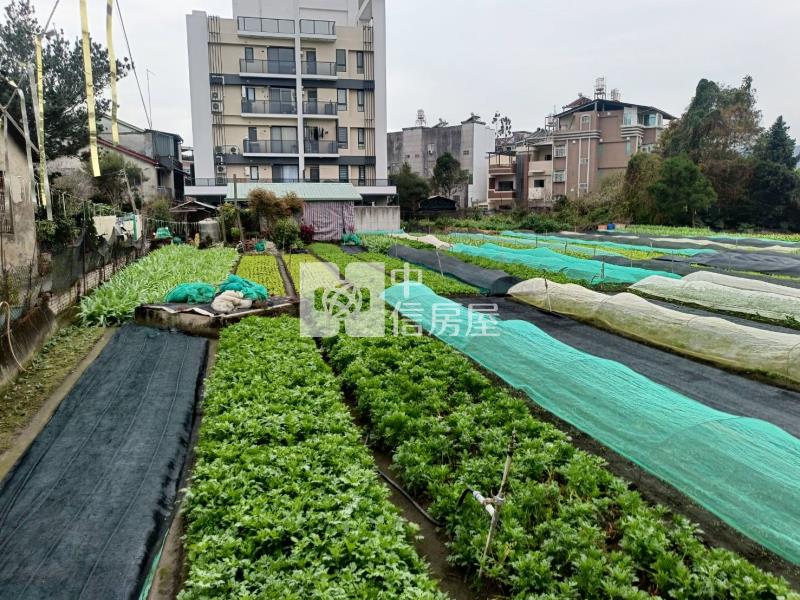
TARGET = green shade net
x,y
745,471
193,293
249,289
588,251
609,245
582,269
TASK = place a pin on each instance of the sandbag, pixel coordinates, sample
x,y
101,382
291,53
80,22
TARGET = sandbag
x,y
708,338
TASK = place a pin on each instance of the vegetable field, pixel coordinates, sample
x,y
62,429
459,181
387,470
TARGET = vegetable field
x,y
284,501
151,278
263,270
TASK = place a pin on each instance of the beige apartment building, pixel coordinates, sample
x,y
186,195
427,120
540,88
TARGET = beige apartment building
x,y
594,138
290,91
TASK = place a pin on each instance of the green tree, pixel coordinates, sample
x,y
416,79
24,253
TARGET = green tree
x,y
731,179
644,169
448,175
681,192
773,192
721,122
411,189
775,145
120,182
65,113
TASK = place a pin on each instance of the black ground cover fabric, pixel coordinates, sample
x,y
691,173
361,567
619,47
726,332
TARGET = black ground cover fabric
x,y
492,281
83,511
624,237
709,385
761,262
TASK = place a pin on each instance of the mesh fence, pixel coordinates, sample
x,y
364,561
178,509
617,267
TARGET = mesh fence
x,y
590,271
744,470
709,338
718,296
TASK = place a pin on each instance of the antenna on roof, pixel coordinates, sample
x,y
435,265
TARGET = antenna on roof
x,y
421,122
615,95
550,122
600,88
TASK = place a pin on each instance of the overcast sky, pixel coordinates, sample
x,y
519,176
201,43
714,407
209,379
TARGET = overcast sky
x,y
521,57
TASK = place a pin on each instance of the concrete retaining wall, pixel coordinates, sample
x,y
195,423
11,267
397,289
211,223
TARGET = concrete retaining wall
x,y
376,218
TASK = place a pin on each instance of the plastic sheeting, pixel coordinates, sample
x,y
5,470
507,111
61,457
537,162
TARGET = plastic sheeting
x,y
744,470
723,298
331,220
760,263
609,245
491,281
431,240
708,338
743,283
719,243
590,271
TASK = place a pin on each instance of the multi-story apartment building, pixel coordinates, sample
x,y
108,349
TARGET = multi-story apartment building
x,y
593,138
469,142
290,90
520,172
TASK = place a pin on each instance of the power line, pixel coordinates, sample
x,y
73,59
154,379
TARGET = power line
x,y
133,66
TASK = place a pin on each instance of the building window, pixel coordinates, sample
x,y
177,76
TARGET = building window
x,y
285,173
548,157
360,100
280,60
252,134
359,62
560,151
341,136
586,121
341,60
505,186
362,138
344,173
313,173
362,175
248,54
466,153
584,160
538,183
583,187
431,149
250,94
628,147
559,176
341,99
254,173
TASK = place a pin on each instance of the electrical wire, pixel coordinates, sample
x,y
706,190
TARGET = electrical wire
x,y
133,66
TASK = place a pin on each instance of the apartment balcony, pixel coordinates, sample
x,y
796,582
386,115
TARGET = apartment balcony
x,y
503,168
286,68
540,166
314,29
260,27
504,195
270,147
321,147
317,69
268,108
321,109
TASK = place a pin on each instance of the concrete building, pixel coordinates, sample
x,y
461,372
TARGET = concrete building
x,y
156,153
521,173
470,142
17,198
594,138
289,91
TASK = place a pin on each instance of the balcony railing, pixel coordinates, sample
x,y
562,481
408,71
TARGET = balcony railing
x,y
260,25
317,27
501,195
222,180
273,67
320,108
325,69
269,107
321,147
270,146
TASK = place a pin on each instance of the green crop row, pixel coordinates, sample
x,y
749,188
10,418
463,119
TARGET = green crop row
x,y
284,501
441,284
706,232
568,528
149,279
264,270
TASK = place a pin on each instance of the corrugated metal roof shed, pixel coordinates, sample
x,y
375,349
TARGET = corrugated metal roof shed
x,y
306,191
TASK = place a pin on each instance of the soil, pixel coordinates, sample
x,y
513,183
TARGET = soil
x,y
706,384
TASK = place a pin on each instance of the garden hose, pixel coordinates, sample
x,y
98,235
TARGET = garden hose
x,y
8,333
421,510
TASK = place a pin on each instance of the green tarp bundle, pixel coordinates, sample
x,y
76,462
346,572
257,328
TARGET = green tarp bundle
x,y
609,245
588,270
250,289
745,471
193,293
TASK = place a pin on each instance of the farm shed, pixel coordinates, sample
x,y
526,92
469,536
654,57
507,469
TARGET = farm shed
x,y
327,206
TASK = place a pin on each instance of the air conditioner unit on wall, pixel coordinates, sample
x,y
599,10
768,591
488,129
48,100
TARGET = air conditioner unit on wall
x,y
221,169
216,107
234,150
